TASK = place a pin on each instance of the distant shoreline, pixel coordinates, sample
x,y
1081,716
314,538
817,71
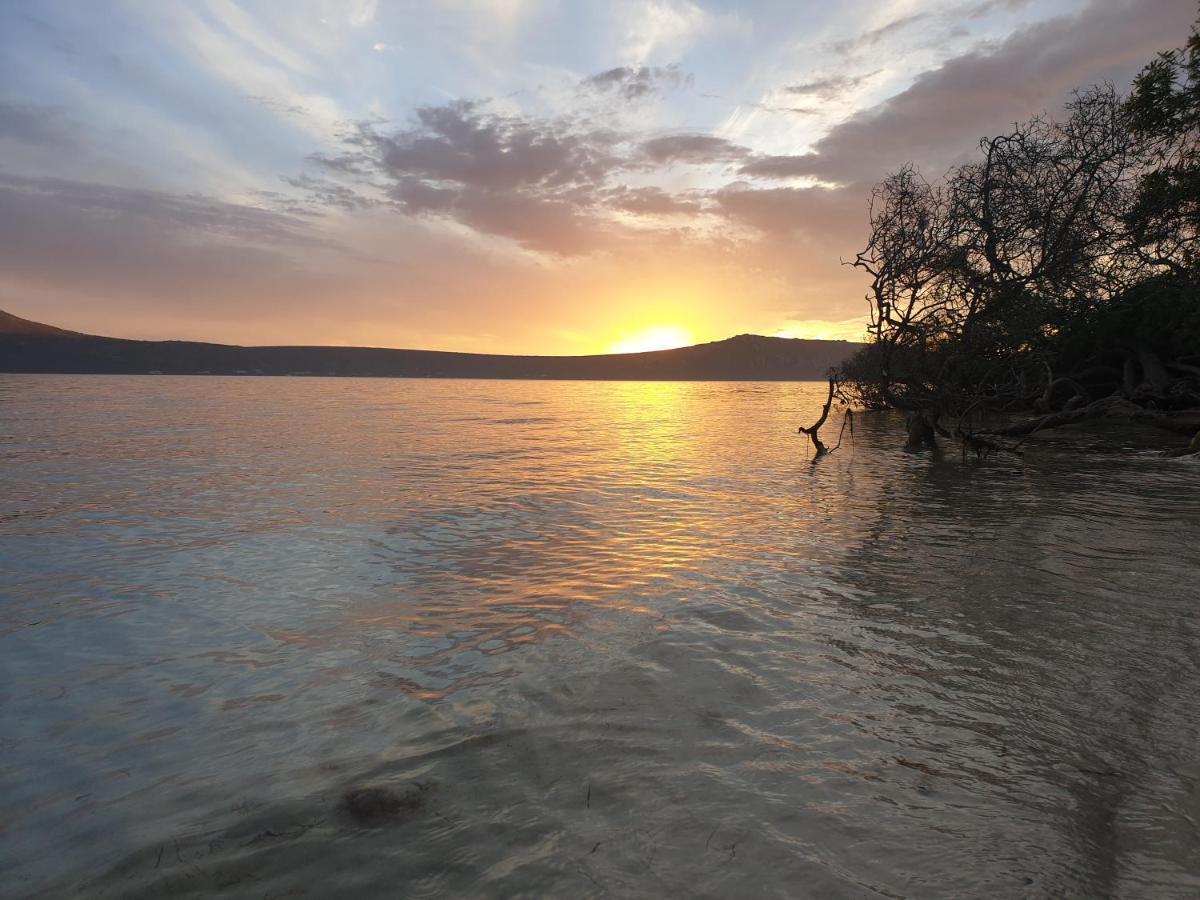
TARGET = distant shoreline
x,y
32,348
581,380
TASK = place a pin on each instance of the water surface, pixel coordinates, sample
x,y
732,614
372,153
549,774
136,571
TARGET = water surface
x,y
617,639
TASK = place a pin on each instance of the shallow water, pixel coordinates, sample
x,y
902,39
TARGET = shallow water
x,y
613,639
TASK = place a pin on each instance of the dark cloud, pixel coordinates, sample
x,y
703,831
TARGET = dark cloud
x,y
780,166
461,143
417,196
785,211
697,149
554,226
531,180
829,87
651,201
550,184
636,82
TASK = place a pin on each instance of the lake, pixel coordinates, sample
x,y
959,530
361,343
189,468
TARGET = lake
x,y
603,639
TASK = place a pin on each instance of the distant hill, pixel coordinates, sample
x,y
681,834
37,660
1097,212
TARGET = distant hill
x,y
35,348
15,325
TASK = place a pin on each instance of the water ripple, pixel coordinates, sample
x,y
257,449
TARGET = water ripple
x,y
604,639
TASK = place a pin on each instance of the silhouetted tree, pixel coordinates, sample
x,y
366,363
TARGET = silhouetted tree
x,y
1164,112
1054,273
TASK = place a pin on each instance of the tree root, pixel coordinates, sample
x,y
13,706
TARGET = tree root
x,y
982,447
1112,407
1192,449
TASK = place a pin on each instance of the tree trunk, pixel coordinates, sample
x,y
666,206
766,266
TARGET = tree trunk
x,y
920,432
1153,371
1129,379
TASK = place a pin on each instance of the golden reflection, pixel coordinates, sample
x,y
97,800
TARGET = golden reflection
x,y
524,513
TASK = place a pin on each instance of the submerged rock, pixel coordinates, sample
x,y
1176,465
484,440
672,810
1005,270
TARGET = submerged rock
x,y
373,805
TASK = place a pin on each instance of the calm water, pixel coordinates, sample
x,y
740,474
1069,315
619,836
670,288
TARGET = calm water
x,y
616,640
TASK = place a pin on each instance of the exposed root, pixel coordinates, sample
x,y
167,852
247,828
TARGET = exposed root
x,y
1112,407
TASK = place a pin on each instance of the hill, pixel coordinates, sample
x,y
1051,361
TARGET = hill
x,y
31,347
15,325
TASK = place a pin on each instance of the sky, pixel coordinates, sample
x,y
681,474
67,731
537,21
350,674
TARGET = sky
x,y
511,176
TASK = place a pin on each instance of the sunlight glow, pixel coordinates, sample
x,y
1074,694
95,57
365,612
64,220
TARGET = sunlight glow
x,y
657,337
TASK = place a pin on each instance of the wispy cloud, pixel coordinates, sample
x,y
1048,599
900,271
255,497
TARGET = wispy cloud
x,y
656,28
636,82
828,87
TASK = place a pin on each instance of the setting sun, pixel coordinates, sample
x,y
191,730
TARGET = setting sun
x,y
659,337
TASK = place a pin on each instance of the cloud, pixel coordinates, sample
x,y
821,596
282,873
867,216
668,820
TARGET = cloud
x,y
931,26
780,166
875,36
30,124
691,148
785,211
325,193
105,241
636,82
461,143
533,181
362,12
566,186
652,201
830,86
944,113
551,184
123,207
670,26
530,194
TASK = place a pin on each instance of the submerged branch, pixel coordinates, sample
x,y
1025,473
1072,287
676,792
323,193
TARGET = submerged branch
x,y
813,430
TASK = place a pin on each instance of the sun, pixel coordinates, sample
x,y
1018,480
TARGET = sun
x,y
657,337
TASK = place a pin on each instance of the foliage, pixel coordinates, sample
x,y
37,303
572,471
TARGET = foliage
x,y
1164,113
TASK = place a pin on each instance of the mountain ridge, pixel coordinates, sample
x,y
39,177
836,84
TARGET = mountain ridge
x,y
32,347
